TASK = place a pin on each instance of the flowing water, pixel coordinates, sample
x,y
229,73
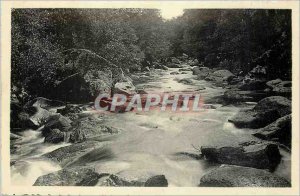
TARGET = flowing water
x,y
153,142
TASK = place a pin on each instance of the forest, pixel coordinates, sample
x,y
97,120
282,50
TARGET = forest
x,y
132,39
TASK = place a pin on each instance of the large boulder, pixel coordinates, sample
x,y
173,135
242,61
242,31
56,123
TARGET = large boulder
x,y
157,181
56,129
281,104
279,87
251,154
280,130
83,87
88,128
67,154
225,74
57,122
236,176
265,112
201,72
69,177
219,76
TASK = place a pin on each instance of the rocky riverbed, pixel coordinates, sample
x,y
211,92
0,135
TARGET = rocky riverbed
x,y
75,146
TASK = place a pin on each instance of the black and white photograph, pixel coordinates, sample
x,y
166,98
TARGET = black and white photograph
x,y
151,97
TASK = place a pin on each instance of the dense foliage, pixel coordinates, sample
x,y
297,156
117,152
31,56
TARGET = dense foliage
x,y
125,37
237,40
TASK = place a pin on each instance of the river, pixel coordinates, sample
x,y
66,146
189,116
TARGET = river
x,y
153,142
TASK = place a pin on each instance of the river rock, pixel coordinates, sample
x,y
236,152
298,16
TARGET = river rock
x,y
69,177
157,181
67,154
88,128
196,70
237,176
163,67
38,116
58,122
265,112
116,181
43,103
280,130
281,104
201,72
125,88
54,136
256,155
186,81
219,76
279,87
